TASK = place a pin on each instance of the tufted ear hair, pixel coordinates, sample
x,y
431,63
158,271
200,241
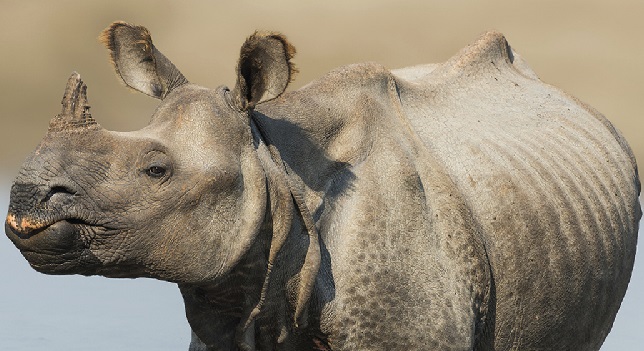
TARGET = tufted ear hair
x,y
264,69
139,64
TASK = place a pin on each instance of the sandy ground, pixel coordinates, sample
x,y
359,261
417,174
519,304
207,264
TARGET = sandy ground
x,y
591,49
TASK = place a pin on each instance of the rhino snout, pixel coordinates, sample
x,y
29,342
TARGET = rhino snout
x,y
33,207
42,226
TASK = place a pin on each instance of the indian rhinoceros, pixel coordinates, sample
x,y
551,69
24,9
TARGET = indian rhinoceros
x,y
456,206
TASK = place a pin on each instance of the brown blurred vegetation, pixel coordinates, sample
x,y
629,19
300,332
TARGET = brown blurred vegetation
x,y
591,49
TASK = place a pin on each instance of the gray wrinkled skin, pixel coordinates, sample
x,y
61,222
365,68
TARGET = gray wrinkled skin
x,y
458,206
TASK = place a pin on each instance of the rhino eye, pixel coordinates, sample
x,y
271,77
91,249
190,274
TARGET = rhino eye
x,y
155,171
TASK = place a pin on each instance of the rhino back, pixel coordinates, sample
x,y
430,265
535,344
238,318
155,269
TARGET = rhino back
x,y
552,185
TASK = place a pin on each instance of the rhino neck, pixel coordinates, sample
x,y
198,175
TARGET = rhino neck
x,y
219,312
215,310
326,129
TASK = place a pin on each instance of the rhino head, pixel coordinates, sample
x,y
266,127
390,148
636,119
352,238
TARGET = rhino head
x,y
183,200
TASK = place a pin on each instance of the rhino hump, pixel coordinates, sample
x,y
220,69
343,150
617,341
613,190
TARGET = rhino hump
x,y
551,183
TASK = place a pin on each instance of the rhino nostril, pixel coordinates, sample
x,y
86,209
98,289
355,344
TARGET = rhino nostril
x,y
58,190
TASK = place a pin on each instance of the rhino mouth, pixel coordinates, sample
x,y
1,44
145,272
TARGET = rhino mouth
x,y
55,246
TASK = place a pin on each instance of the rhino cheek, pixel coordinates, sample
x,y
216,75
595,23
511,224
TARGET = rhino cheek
x,y
207,236
191,246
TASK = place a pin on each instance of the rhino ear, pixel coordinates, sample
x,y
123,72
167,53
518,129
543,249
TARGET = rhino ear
x,y
264,69
139,64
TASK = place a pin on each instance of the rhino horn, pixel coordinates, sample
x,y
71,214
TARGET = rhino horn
x,y
75,111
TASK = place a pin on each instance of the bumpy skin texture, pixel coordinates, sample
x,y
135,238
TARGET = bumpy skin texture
x,y
459,206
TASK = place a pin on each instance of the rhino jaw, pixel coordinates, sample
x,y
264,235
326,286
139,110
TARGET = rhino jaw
x,y
54,248
40,225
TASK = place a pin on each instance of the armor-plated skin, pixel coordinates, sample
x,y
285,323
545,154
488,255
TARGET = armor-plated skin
x,y
457,206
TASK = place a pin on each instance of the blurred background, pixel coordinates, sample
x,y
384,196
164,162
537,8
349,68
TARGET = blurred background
x,y
591,49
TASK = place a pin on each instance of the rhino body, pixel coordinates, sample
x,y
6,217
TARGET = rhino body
x,y
458,206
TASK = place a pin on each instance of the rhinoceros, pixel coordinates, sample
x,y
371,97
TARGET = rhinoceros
x,y
456,206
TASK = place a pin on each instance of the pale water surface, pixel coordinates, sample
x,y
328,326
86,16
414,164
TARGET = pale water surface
x,y
69,313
